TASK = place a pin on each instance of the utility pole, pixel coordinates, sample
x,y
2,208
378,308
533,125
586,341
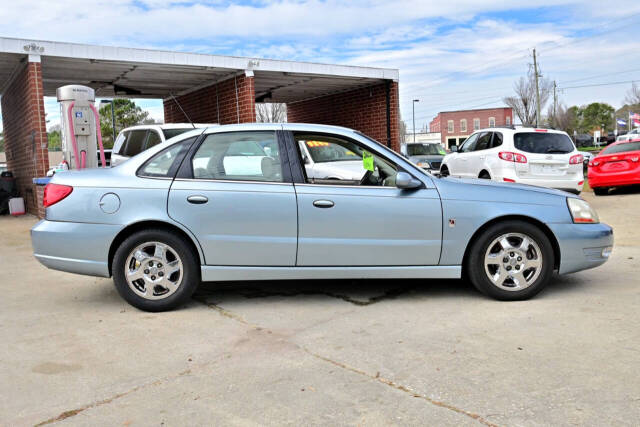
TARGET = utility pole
x,y
535,70
555,105
413,104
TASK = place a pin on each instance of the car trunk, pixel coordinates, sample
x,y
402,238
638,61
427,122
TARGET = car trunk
x,y
617,163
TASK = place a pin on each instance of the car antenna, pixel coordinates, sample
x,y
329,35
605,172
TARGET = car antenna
x,y
181,109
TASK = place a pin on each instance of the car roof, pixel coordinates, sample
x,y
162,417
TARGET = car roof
x,y
160,126
520,129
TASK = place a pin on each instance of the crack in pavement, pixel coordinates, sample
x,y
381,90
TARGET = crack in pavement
x,y
355,370
262,293
73,412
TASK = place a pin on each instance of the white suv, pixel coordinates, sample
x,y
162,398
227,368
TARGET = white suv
x,y
543,157
135,139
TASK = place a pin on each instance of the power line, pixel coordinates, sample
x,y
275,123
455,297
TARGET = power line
x,y
601,75
600,84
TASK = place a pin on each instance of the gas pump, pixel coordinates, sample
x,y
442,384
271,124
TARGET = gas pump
x,y
80,123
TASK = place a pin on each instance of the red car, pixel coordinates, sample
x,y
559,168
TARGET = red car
x,y
615,166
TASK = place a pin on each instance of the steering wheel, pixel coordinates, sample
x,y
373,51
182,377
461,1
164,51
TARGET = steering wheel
x,y
368,175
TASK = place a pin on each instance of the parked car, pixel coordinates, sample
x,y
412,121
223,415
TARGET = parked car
x,y
324,159
629,136
587,158
616,166
427,155
542,157
584,140
135,139
159,229
3,167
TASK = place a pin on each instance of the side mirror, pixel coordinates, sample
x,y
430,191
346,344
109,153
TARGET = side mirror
x,y
453,148
406,181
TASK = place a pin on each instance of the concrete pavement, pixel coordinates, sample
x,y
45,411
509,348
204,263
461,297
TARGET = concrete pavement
x,y
340,353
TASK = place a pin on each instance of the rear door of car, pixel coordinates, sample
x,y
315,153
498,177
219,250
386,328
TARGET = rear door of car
x,y
241,215
547,153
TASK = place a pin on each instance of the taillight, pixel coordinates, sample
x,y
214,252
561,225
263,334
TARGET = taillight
x,y
512,157
594,163
576,160
541,130
53,193
634,159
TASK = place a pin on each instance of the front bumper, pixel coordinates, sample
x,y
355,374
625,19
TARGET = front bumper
x,y
74,247
582,245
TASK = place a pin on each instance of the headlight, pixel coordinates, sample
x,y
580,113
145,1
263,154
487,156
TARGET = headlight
x,y
581,212
424,165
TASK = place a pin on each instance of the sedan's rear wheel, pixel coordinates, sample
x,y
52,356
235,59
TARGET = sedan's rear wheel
x,y
155,270
512,260
601,191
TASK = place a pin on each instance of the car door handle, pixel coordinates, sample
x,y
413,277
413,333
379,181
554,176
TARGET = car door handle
x,y
197,200
323,204
481,157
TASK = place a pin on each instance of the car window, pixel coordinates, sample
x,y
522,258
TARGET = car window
x,y
118,146
342,161
622,148
425,150
484,141
469,144
166,162
153,138
135,142
237,156
170,133
497,140
543,143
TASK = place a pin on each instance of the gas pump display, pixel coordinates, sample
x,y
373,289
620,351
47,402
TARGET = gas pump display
x,y
80,122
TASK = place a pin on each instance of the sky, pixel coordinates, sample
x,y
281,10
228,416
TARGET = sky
x,y
451,55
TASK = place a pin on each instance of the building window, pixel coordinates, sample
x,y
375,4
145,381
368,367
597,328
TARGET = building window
x,y
450,126
508,120
476,124
492,122
463,125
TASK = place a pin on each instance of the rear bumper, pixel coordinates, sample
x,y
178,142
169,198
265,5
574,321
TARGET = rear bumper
x,y
582,245
573,184
613,179
74,247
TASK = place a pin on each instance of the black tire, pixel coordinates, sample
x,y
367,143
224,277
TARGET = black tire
x,y
600,191
475,266
190,278
444,171
484,175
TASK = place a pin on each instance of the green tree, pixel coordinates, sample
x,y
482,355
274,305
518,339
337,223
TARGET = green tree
x,y
55,140
127,113
595,115
1,142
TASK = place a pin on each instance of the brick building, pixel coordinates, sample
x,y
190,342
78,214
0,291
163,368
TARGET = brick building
x,y
456,126
208,88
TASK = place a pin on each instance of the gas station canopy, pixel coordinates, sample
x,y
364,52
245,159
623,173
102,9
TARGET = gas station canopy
x,y
145,73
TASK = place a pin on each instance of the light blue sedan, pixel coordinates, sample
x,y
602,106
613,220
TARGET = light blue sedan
x,y
176,215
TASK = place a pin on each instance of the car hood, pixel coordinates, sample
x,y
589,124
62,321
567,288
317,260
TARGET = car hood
x,y
487,190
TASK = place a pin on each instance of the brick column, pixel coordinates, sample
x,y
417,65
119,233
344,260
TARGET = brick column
x,y
373,110
25,132
226,102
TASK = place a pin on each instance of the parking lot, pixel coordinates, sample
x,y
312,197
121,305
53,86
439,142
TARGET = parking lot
x,y
338,352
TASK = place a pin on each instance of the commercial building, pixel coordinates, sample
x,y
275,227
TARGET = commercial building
x,y
456,126
209,89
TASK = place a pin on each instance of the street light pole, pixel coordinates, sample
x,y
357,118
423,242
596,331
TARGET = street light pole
x,y
413,105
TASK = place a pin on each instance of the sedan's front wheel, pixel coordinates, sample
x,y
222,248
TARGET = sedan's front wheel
x,y
512,260
155,270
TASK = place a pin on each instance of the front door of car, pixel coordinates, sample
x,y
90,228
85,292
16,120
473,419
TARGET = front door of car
x,y
364,220
477,155
461,163
237,200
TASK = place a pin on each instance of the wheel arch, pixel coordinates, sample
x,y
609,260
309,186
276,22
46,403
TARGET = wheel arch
x,y
541,225
147,224
485,171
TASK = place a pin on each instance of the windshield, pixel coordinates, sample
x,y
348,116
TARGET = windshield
x,y
322,152
543,143
425,150
170,133
622,148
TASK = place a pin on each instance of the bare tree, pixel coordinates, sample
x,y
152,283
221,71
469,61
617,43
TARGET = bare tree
x,y
633,95
271,113
524,101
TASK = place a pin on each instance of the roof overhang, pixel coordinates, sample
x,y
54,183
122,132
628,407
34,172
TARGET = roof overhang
x,y
146,73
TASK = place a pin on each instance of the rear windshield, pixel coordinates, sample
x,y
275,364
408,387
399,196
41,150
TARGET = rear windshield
x,y
170,133
425,150
543,143
622,148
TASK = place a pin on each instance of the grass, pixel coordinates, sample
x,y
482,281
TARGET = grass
x,y
590,148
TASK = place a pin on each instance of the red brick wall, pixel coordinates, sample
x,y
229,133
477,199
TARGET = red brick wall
x,y
25,133
442,121
363,109
236,105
